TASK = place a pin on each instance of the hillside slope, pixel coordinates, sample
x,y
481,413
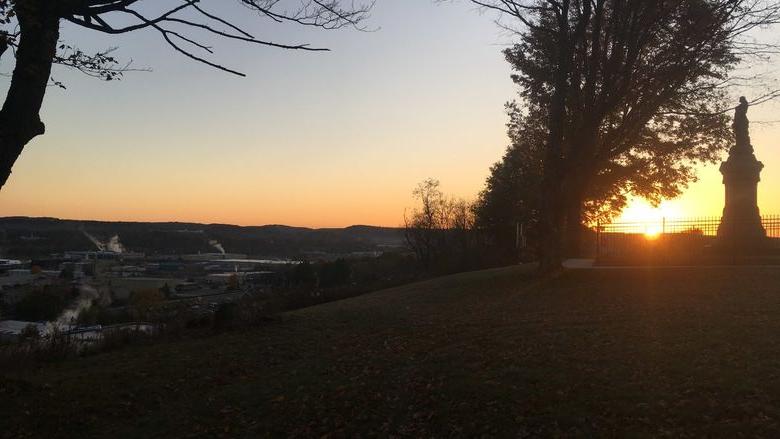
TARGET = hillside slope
x,y
648,352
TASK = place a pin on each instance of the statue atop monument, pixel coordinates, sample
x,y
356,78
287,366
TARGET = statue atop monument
x,y
741,224
741,129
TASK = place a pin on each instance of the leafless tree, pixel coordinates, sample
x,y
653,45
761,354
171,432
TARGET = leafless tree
x,y
439,229
30,29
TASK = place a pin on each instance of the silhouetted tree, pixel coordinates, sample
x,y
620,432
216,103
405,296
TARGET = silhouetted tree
x,y
439,230
425,227
31,29
632,94
511,193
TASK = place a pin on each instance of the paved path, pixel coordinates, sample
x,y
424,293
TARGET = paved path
x,y
579,263
590,264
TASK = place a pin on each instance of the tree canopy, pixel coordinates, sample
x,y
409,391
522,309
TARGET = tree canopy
x,y
631,94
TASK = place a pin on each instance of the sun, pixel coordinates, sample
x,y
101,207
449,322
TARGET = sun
x,y
652,232
645,219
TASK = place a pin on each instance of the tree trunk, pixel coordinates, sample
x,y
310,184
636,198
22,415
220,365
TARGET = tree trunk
x,y
574,218
19,118
550,227
551,212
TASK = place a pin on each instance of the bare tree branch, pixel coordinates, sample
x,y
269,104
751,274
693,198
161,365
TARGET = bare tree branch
x,y
326,14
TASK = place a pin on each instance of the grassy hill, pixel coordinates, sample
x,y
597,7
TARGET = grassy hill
x,y
686,352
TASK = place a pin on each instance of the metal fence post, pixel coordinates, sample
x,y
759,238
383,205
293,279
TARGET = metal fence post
x,y
598,238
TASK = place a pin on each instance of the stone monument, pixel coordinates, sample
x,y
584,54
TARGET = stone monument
x,y
741,222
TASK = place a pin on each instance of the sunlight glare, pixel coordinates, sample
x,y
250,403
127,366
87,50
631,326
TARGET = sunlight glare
x,y
647,219
652,232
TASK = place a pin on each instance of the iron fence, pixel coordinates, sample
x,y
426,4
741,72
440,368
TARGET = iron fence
x,y
675,239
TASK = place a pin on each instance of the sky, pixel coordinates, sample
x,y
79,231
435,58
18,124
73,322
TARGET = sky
x,y
324,139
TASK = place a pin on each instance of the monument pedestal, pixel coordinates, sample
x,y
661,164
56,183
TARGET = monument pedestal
x,y
740,225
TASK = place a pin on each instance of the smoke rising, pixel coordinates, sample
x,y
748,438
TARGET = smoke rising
x,y
87,296
113,244
214,243
100,246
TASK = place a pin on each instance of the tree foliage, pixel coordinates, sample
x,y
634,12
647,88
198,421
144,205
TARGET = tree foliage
x,y
632,95
511,194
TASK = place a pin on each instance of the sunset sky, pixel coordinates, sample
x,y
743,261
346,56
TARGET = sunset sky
x,y
309,139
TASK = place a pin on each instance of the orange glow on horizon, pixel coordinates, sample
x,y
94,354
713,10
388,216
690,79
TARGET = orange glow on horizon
x,y
312,141
57,176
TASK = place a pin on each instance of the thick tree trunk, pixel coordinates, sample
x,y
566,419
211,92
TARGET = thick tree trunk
x,y
19,118
550,226
551,212
575,197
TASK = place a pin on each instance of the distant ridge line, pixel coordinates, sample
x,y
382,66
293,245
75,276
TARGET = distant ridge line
x,y
183,223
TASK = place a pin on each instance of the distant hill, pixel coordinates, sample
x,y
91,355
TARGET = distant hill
x,y
35,237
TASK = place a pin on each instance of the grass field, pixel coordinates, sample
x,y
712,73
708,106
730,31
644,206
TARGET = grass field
x,y
686,352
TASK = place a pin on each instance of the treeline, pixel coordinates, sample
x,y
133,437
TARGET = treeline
x,y
617,99
314,283
501,227
449,234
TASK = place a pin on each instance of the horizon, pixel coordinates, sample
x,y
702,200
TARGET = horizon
x,y
292,226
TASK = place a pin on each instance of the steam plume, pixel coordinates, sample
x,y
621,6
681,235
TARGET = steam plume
x,y
100,246
87,295
214,243
114,245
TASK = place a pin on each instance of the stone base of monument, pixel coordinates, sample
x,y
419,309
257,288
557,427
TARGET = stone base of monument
x,y
740,227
